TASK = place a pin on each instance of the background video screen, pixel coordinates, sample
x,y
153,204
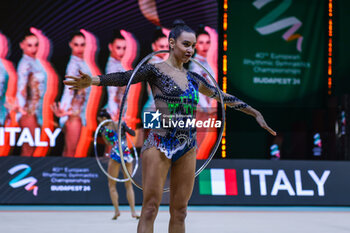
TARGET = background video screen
x,y
276,59
42,41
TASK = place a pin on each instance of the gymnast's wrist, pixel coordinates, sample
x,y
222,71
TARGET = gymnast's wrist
x,y
95,80
255,113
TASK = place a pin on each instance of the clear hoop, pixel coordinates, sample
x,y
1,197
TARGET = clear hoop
x,y
125,98
121,154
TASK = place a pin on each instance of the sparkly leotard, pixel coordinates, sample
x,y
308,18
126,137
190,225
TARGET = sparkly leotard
x,y
112,137
176,97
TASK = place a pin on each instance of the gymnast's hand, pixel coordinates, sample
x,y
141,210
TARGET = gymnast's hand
x,y
60,111
261,121
80,82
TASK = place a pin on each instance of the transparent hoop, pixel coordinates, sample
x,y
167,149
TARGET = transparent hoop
x,y
124,100
121,154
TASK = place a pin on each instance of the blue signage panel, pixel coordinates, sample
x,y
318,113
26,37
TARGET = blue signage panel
x,y
53,180
264,182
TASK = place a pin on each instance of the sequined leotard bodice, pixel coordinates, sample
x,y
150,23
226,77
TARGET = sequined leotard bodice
x,y
176,98
111,136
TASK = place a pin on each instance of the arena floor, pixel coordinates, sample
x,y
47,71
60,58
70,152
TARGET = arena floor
x,y
201,219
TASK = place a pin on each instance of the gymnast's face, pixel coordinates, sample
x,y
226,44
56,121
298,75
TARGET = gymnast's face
x,y
161,44
77,44
117,49
30,45
183,46
203,44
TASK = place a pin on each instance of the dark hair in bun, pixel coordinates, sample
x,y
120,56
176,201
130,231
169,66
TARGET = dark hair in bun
x,y
158,33
201,30
27,32
103,113
179,26
179,22
116,35
75,33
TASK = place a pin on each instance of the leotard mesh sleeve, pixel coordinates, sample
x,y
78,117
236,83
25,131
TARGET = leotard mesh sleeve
x,y
207,89
122,78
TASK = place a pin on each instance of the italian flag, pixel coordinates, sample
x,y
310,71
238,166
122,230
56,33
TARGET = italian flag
x,y
218,182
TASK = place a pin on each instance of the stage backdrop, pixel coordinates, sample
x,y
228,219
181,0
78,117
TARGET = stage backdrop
x,y
275,51
275,62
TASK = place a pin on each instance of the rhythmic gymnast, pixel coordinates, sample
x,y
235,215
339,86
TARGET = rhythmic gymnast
x,y
175,91
110,138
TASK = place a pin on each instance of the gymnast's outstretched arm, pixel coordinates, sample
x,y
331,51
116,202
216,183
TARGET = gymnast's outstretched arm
x,y
112,79
206,89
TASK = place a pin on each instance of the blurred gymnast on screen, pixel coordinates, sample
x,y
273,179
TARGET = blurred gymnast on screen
x,y
71,109
7,74
31,88
117,47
